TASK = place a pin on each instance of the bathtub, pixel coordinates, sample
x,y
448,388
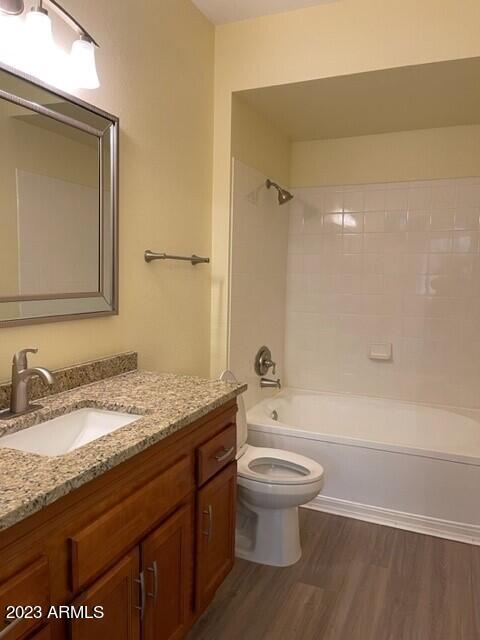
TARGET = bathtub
x,y
401,464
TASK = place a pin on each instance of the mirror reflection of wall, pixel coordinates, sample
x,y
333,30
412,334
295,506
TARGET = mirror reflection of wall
x,y
49,203
56,205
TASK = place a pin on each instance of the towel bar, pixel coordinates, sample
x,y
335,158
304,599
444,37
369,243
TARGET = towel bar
x,y
194,259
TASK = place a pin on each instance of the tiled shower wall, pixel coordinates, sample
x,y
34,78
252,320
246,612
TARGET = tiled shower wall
x,y
386,263
258,277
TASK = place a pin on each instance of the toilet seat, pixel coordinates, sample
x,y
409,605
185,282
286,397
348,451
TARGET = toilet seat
x,y
275,466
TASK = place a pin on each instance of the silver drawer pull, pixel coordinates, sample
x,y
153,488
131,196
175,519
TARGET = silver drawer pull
x,y
209,512
153,569
141,582
224,454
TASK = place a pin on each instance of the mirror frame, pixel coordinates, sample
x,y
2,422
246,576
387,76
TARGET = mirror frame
x,y
113,132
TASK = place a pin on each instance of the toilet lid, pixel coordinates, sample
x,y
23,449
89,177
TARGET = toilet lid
x,y
275,466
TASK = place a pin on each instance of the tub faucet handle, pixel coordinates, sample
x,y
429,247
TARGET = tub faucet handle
x,y
264,362
271,365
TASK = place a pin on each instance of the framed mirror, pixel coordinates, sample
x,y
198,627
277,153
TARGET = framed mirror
x,y
58,205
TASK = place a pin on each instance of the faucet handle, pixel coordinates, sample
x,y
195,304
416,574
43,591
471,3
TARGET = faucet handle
x,y
270,364
20,357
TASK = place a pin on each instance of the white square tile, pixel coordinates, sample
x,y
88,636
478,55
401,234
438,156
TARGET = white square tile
x,y
444,196
395,221
353,222
353,201
352,263
441,241
467,218
373,284
374,222
333,201
295,223
397,199
295,243
352,243
313,243
442,219
332,222
465,241
374,243
295,263
468,195
374,199
313,222
419,198
418,220
374,263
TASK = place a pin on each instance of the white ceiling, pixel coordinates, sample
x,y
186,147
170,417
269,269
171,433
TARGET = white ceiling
x,y
223,11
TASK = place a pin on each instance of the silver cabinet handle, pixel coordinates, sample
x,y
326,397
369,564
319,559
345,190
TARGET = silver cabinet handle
x,y
10,627
224,454
154,569
209,512
141,582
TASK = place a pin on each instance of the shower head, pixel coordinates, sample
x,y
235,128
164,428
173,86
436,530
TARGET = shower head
x,y
283,195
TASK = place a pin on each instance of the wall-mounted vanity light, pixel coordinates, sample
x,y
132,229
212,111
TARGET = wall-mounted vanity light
x,y
26,42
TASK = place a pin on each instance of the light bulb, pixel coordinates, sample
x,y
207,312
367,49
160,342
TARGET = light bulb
x,y
39,27
38,44
11,40
83,64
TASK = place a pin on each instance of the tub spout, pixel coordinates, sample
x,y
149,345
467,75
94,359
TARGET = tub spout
x,y
266,383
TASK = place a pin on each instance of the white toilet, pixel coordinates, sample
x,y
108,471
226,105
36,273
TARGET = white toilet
x,y
272,484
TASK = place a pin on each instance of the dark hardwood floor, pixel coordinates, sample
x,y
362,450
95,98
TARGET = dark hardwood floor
x,y
355,581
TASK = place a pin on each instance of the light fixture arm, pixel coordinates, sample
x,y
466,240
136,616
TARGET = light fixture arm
x,y
68,18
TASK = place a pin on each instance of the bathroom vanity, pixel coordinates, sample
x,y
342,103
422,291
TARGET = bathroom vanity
x,y
140,523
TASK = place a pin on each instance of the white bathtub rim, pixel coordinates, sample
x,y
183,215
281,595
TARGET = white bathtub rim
x,y
271,426
467,412
426,525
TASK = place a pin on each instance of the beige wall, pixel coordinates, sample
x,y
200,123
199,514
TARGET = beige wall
x,y
156,67
328,40
450,152
258,143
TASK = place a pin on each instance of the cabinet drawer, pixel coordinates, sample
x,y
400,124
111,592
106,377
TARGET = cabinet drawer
x,y
111,535
216,453
29,587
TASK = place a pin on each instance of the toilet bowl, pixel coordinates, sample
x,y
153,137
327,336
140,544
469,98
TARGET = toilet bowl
x,y
272,484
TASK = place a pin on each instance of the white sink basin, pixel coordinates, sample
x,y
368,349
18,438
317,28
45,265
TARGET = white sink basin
x,y
68,432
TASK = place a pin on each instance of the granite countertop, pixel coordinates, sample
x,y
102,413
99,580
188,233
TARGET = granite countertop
x,y
166,403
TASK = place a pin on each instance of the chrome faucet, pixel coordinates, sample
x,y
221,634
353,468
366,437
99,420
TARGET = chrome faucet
x,y
21,374
266,383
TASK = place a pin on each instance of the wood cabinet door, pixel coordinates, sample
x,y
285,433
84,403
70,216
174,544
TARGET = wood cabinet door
x,y
43,634
216,508
118,593
167,561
